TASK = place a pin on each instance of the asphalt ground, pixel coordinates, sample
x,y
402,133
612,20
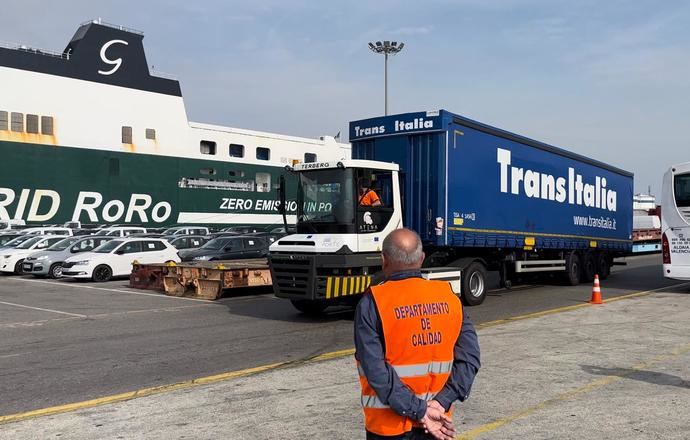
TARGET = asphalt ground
x,y
618,370
66,341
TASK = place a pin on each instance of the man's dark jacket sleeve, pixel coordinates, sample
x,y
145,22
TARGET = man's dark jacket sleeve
x,y
466,363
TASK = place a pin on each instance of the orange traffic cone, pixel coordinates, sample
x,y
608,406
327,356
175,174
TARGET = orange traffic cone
x,y
596,292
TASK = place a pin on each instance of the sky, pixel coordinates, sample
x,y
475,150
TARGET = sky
x,y
606,79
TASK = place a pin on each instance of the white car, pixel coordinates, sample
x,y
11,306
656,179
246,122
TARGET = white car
x,y
186,230
50,230
8,225
121,231
115,258
11,259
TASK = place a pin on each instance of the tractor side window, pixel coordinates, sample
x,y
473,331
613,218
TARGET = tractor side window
x,y
375,200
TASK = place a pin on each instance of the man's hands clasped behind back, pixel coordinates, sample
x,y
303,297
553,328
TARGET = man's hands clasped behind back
x,y
437,423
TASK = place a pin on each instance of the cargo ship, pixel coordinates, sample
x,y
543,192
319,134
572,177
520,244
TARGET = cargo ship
x,y
92,134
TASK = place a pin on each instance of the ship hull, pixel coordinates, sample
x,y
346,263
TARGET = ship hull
x,y
54,184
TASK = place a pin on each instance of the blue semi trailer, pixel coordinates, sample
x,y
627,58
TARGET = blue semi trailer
x,y
481,198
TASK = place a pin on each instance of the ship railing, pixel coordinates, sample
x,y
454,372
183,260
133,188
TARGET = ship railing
x,y
191,182
165,75
24,48
114,26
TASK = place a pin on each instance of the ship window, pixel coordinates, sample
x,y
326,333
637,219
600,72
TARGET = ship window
x,y
207,171
126,135
233,173
263,153
151,134
309,157
207,147
32,124
263,182
17,122
3,121
236,150
47,125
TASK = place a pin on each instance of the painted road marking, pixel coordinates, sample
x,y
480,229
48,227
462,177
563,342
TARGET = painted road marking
x,y
106,289
59,409
592,386
96,316
43,310
138,311
36,323
138,393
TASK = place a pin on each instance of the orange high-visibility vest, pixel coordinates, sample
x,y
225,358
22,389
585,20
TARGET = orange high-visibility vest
x,y
421,322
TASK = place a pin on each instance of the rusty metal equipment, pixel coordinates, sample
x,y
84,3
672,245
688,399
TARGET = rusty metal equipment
x,y
148,276
204,280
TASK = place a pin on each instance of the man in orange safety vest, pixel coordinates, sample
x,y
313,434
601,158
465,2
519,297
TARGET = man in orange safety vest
x,y
417,352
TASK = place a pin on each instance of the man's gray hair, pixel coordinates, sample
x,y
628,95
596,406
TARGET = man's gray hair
x,y
403,253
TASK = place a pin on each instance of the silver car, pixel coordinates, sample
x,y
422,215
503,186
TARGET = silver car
x,y
49,261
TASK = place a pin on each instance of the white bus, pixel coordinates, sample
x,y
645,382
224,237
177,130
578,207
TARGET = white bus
x,y
675,222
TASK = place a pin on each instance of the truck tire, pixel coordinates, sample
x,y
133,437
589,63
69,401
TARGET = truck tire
x,y
474,284
589,267
603,266
572,269
313,308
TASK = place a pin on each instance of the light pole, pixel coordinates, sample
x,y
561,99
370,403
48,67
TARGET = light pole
x,y
386,48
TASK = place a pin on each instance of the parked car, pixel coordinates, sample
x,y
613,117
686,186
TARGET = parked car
x,y
48,230
49,261
280,230
270,237
147,235
187,241
228,248
122,231
8,236
11,259
186,230
114,258
16,241
239,230
6,225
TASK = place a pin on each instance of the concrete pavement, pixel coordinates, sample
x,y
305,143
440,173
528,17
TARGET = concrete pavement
x,y
614,371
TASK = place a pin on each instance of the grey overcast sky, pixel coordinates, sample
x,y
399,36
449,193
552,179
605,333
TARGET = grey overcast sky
x,y
607,79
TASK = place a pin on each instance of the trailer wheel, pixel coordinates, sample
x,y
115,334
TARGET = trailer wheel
x,y
572,269
313,308
603,266
589,267
474,284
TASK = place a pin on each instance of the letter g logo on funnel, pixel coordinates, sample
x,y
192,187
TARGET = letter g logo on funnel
x,y
116,63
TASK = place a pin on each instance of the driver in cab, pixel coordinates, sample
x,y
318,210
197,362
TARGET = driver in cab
x,y
367,196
